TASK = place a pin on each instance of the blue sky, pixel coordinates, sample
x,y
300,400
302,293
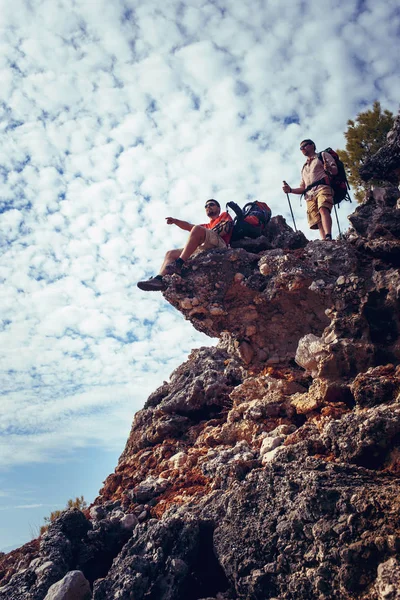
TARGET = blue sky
x,y
114,115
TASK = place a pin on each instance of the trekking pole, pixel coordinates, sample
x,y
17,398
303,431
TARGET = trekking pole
x,y
290,206
337,220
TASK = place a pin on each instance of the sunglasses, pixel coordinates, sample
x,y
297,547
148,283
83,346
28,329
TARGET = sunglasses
x,y
304,145
210,204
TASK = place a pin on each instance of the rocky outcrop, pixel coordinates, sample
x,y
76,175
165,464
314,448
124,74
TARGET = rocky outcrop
x,y
385,164
376,227
268,466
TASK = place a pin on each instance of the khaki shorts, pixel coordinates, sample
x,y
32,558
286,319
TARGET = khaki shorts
x,y
322,199
213,240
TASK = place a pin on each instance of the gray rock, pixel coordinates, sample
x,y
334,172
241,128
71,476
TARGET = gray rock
x,y
388,580
97,513
73,586
148,489
310,352
129,522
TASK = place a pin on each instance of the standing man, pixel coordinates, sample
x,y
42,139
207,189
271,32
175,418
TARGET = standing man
x,y
214,234
315,185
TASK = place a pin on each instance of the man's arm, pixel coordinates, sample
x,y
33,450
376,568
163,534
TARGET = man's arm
x,y
181,224
288,190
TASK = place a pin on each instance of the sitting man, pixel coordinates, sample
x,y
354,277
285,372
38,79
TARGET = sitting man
x,y
215,234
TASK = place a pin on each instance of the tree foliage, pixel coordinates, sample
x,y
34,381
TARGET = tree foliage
x,y
364,137
79,503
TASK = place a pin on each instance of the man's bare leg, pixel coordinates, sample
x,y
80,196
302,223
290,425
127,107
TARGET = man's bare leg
x,y
325,225
197,236
156,283
173,261
170,256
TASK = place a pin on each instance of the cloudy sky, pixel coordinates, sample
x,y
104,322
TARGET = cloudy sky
x,y
115,114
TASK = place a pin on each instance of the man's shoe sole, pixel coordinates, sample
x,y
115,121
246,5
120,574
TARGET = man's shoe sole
x,y
150,286
172,270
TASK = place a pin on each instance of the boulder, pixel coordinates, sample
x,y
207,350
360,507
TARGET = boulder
x,y
73,586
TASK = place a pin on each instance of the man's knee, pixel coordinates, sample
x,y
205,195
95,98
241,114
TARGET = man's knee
x,y
198,232
324,211
171,255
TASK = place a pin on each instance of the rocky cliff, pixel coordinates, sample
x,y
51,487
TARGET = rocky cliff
x,y
268,466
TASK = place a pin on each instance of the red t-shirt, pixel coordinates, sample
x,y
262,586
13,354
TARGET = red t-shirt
x,y
214,225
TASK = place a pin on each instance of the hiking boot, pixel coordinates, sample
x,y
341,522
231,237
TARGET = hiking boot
x,y
328,237
154,284
174,267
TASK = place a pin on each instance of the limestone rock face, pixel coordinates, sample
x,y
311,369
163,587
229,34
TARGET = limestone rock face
x,y
268,466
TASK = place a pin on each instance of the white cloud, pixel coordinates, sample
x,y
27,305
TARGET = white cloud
x,y
23,506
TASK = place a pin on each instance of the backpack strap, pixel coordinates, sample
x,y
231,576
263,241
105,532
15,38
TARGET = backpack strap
x,y
312,185
236,209
320,157
319,182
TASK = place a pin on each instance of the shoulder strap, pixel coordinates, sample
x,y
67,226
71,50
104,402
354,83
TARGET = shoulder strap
x,y
309,187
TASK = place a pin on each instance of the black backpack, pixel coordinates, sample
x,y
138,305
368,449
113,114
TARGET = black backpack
x,y
250,221
339,184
